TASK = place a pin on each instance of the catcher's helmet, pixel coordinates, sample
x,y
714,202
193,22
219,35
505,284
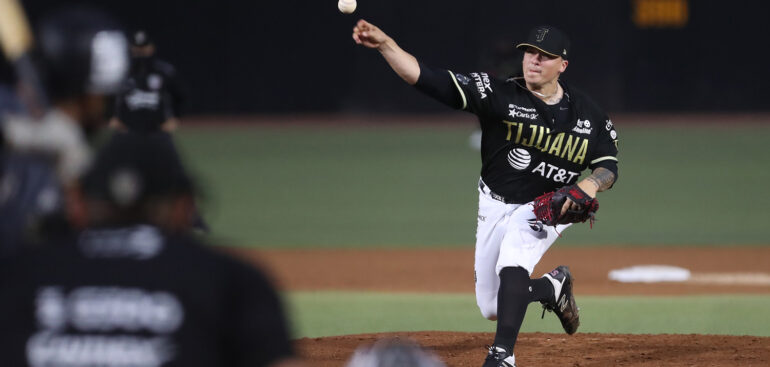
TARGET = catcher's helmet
x,y
81,51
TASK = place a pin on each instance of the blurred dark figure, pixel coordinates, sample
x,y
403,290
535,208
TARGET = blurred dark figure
x,y
393,353
133,286
151,100
82,58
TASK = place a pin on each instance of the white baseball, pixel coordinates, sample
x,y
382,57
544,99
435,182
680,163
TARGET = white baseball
x,y
347,6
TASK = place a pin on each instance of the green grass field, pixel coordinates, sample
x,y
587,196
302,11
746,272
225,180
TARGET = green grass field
x,y
317,314
397,185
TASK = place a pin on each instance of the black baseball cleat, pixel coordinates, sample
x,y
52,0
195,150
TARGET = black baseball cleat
x,y
563,304
499,356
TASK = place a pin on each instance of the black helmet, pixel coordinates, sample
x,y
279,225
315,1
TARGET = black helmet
x,y
81,51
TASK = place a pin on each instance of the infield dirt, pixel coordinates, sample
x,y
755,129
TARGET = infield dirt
x,y
451,270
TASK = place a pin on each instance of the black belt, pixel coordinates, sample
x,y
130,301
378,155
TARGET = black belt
x,y
485,189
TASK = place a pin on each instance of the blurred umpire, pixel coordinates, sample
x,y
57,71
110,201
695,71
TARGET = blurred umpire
x,y
132,289
82,58
151,99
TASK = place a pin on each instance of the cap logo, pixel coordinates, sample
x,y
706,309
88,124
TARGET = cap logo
x,y
565,52
125,186
541,34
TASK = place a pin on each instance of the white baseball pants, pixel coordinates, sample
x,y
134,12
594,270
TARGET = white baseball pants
x,y
507,235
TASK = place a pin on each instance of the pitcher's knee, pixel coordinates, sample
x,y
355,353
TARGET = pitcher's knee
x,y
488,310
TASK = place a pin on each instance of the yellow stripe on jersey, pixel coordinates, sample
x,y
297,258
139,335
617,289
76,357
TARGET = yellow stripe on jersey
x,y
605,158
462,94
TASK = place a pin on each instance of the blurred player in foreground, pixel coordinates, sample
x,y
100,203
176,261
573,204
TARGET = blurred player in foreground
x,y
82,57
538,135
393,352
133,288
151,100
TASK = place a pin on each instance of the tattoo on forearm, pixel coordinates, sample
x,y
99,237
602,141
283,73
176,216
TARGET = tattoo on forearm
x,y
602,178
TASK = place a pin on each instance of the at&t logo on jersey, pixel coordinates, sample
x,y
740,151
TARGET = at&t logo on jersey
x,y
519,159
482,83
555,173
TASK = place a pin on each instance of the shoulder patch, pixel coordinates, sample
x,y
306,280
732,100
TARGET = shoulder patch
x,y
462,79
483,84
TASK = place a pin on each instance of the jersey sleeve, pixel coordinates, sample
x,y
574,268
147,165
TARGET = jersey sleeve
x,y
477,91
473,92
606,152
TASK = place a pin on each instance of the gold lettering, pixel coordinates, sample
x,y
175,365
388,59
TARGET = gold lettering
x,y
509,129
581,155
518,133
556,146
543,131
547,140
569,147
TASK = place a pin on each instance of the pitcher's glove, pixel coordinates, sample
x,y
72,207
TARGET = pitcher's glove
x,y
547,207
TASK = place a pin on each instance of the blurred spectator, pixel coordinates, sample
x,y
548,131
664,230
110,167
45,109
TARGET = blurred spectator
x,y
82,57
151,99
393,352
133,288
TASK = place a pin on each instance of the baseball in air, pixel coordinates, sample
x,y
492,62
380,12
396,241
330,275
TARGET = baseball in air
x,y
347,6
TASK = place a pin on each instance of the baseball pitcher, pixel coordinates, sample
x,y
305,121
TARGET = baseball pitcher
x,y
538,135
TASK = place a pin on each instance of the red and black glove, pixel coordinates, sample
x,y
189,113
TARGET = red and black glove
x,y
547,207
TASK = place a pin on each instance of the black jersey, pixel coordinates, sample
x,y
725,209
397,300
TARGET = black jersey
x,y
135,297
526,148
150,96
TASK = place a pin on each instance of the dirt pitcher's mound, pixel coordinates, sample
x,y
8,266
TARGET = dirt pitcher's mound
x,y
540,349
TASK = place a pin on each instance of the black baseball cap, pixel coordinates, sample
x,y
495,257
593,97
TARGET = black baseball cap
x,y
132,168
547,39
